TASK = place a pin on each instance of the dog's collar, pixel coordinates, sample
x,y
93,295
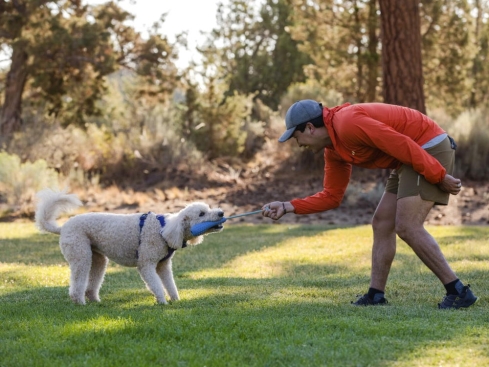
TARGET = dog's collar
x,y
161,219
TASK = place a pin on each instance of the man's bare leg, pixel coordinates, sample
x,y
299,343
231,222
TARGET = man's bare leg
x,y
411,214
384,246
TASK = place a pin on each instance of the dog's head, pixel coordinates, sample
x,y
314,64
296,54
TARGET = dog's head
x,y
178,228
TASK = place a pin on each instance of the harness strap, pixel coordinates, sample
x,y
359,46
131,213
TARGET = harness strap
x,y
161,219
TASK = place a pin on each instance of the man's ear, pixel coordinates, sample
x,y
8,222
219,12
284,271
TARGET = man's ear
x,y
311,128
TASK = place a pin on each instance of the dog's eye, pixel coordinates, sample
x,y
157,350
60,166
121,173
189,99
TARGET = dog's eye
x,y
201,214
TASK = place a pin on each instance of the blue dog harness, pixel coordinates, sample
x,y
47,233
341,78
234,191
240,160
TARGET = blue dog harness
x,y
161,219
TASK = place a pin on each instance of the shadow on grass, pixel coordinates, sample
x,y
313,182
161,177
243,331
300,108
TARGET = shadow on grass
x,y
35,249
219,249
465,233
43,249
222,247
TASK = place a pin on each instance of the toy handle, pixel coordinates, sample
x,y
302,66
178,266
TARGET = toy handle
x,y
245,214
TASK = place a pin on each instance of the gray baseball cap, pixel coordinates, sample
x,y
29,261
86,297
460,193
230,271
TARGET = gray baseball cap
x,y
300,112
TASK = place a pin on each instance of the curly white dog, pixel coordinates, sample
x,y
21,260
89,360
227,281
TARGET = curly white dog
x,y
147,241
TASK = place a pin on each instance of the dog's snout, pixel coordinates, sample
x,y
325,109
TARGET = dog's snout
x,y
220,214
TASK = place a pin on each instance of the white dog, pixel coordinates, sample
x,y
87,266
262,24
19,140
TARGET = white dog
x,y
146,241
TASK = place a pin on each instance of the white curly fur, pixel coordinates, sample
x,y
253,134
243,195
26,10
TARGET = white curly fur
x,y
89,240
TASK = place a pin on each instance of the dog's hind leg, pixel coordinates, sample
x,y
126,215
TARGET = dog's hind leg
x,y
165,272
96,278
152,280
79,257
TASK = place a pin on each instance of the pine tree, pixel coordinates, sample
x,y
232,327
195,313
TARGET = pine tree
x,y
258,54
401,54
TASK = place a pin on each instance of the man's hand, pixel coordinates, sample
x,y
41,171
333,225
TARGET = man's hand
x,y
451,185
277,209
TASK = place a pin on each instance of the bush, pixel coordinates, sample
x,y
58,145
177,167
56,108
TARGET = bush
x,y
220,125
303,159
133,136
471,132
368,195
310,90
473,145
19,182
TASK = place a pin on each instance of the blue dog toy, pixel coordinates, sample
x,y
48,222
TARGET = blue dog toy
x,y
203,227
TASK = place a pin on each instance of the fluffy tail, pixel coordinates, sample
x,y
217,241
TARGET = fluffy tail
x,y
50,205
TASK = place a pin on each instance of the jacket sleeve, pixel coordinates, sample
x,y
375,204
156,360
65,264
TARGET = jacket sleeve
x,y
376,134
336,178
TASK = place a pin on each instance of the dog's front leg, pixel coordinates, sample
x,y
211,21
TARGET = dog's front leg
x,y
165,272
152,280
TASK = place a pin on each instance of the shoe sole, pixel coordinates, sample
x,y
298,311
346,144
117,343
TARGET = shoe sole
x,y
465,305
369,304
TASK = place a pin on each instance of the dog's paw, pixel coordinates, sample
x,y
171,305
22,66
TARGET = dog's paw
x,y
78,300
92,297
161,301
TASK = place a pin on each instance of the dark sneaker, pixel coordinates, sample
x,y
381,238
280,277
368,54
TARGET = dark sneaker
x,y
463,300
365,300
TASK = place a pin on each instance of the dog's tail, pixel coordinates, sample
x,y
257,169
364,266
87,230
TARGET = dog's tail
x,y
50,205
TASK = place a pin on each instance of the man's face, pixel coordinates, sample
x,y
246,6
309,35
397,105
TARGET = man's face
x,y
308,139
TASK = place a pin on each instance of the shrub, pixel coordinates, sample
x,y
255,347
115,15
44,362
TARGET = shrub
x,y
19,182
310,90
220,125
473,145
133,136
305,160
471,132
369,195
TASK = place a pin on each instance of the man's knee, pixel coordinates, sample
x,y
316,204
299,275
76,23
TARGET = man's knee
x,y
404,229
383,223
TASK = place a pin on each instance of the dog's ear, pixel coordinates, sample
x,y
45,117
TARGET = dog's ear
x,y
195,240
174,230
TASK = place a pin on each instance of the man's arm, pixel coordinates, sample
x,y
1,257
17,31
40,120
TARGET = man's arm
x,y
336,178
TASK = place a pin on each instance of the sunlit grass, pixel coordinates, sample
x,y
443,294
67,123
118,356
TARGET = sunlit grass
x,y
273,295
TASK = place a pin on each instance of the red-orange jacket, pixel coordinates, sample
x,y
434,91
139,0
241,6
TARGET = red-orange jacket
x,y
371,135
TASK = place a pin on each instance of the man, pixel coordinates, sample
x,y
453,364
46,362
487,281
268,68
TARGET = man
x,y
375,135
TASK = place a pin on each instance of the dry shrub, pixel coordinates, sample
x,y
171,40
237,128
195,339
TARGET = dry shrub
x,y
369,195
310,90
304,160
107,151
471,132
19,181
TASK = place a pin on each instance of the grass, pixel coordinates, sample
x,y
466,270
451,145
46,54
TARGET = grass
x,y
272,295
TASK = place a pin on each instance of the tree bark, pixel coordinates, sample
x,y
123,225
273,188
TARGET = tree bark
x,y
11,114
401,54
372,53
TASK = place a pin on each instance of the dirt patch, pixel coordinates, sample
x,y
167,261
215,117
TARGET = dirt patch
x,y
244,191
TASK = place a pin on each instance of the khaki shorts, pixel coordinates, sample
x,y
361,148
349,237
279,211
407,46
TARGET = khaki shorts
x,y
406,182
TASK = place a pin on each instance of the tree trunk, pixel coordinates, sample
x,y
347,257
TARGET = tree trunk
x,y
10,117
401,53
372,54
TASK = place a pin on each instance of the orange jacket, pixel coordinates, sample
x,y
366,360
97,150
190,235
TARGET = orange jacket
x,y
371,135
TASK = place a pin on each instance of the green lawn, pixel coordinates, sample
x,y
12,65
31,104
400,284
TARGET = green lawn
x,y
268,295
